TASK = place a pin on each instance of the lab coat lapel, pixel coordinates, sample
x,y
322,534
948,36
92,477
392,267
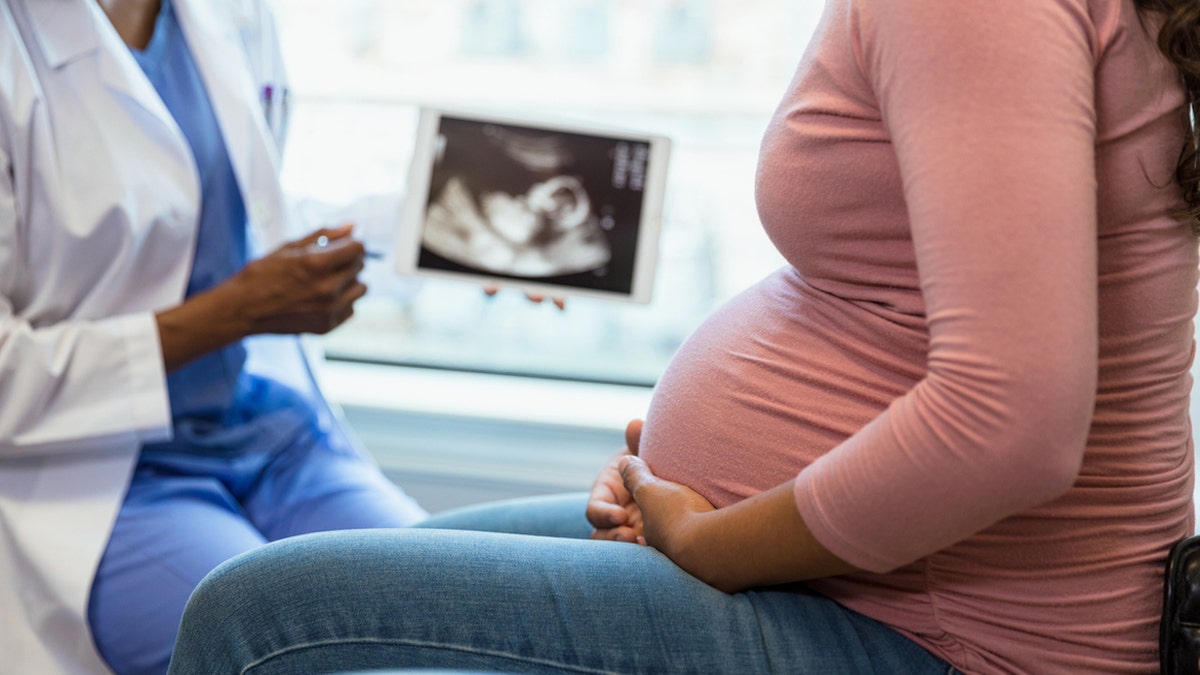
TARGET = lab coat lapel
x,y
70,30
67,29
220,57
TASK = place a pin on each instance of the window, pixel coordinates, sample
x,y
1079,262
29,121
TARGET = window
x,y
706,73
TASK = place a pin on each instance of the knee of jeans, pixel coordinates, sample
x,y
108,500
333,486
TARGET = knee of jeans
x,y
224,602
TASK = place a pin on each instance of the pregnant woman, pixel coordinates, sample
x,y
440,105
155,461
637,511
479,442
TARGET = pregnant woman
x,y
951,435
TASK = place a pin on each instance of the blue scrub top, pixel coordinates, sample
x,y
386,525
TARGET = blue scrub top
x,y
217,408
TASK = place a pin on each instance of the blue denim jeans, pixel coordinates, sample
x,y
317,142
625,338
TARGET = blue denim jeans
x,y
503,602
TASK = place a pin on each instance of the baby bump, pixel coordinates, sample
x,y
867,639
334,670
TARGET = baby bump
x,y
772,380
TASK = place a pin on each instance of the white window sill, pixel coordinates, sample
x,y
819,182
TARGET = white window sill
x,y
528,400
452,438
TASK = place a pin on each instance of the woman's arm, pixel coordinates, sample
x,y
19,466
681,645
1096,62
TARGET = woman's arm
x,y
711,545
991,115
760,541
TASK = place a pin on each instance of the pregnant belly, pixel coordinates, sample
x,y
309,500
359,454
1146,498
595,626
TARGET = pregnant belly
x,y
775,378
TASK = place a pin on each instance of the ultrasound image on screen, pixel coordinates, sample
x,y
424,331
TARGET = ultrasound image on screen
x,y
557,207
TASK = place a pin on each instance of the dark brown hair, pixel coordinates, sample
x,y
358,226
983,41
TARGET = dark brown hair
x,y
1179,40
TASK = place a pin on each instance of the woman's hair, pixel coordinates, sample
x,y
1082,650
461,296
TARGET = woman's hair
x,y
1179,40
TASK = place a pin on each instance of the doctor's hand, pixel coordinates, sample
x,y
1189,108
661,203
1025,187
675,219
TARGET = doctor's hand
x,y
611,509
306,286
561,303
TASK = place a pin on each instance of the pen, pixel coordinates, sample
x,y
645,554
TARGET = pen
x,y
370,253
275,102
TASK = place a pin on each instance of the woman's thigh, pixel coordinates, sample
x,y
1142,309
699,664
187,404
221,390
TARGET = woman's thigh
x,y
500,602
560,515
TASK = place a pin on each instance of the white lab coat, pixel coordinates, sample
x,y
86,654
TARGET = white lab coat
x,y
99,201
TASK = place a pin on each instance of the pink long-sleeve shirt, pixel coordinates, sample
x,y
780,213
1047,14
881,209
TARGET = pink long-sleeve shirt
x,y
975,366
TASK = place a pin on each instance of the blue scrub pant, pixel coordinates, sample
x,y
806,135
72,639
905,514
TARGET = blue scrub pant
x,y
484,601
186,513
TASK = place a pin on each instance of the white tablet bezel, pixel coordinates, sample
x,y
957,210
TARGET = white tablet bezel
x,y
413,217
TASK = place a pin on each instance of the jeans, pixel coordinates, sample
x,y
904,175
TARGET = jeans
x,y
502,602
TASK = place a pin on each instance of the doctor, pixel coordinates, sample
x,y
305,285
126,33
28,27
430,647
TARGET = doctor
x,y
145,435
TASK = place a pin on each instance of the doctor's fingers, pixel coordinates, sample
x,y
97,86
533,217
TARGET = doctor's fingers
x,y
343,308
334,256
324,236
332,268
315,312
281,283
332,290
325,318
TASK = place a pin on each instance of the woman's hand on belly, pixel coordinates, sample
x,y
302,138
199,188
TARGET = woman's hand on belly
x,y
760,541
611,509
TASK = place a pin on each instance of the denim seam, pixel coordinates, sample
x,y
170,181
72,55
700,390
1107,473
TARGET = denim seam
x,y
430,645
762,633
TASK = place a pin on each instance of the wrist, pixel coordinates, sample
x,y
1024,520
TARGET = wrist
x,y
231,308
201,324
759,541
696,548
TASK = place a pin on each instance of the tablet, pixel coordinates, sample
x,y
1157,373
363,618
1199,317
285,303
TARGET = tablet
x,y
549,208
